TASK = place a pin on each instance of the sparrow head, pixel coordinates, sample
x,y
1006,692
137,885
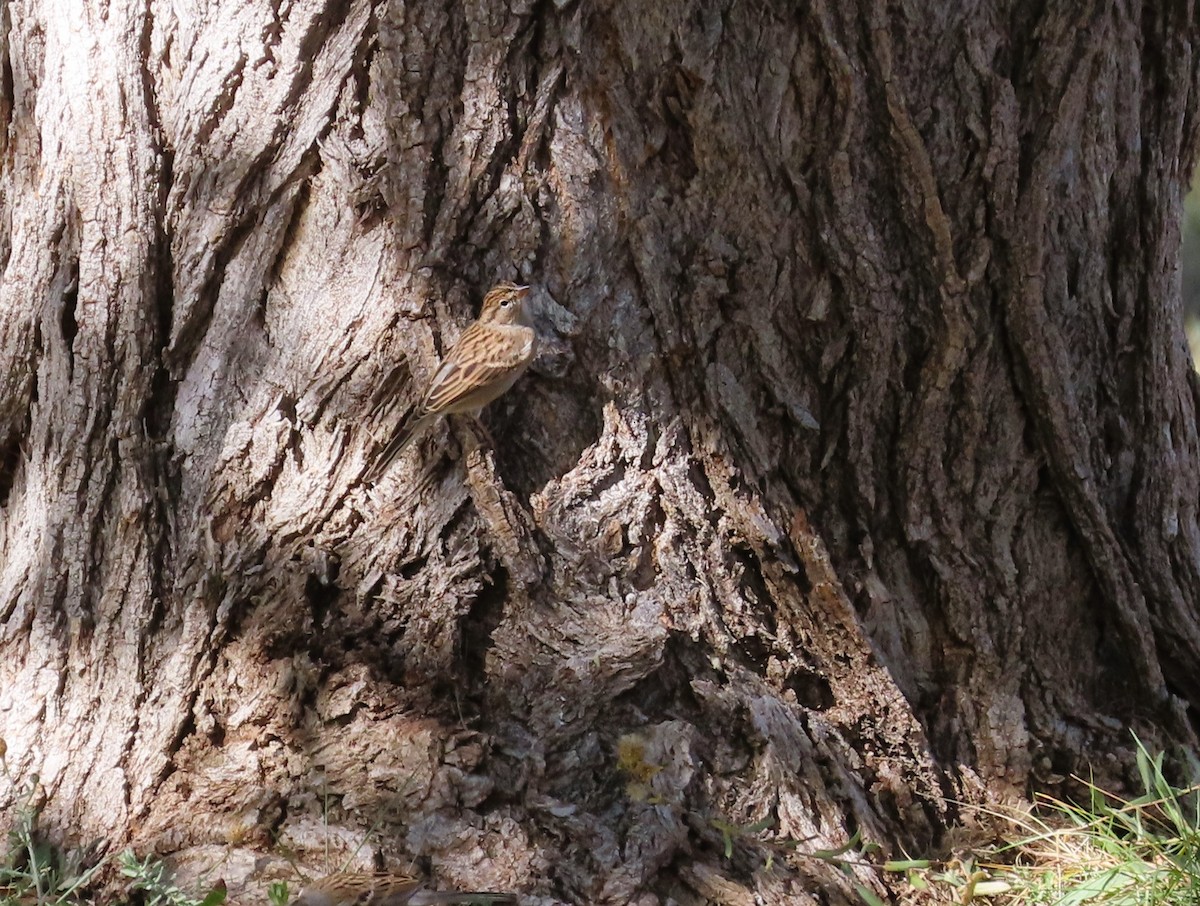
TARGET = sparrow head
x,y
505,304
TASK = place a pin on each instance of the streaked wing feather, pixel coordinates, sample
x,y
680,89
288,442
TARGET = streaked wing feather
x,y
394,892
366,889
483,355
363,889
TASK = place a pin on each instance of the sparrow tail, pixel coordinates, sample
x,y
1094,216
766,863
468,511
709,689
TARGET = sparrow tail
x,y
478,898
406,432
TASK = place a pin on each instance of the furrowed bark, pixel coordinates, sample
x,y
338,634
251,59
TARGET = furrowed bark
x,y
858,476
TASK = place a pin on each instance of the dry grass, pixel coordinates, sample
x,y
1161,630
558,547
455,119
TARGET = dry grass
x,y
1108,851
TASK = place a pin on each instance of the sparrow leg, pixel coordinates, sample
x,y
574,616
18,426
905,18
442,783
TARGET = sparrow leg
x,y
471,434
478,429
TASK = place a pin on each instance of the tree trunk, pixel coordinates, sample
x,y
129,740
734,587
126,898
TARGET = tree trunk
x,y
858,474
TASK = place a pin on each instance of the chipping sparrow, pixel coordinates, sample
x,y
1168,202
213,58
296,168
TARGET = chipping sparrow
x,y
487,359
358,889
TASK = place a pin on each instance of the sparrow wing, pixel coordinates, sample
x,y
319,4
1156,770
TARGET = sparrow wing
x,y
361,889
349,888
485,356
395,890
402,891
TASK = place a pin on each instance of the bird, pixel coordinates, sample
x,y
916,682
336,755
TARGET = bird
x,y
363,889
488,358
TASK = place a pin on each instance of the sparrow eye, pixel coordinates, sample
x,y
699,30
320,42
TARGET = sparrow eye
x,y
506,301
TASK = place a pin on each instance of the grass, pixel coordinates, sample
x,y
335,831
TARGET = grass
x,y
1106,851
1111,851
152,880
35,873
1191,330
31,870
277,893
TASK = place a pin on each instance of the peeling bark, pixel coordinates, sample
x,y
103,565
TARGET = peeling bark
x,y
858,476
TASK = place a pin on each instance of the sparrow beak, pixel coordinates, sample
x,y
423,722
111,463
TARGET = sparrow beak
x,y
521,292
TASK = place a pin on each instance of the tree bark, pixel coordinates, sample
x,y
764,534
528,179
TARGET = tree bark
x,y
857,478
